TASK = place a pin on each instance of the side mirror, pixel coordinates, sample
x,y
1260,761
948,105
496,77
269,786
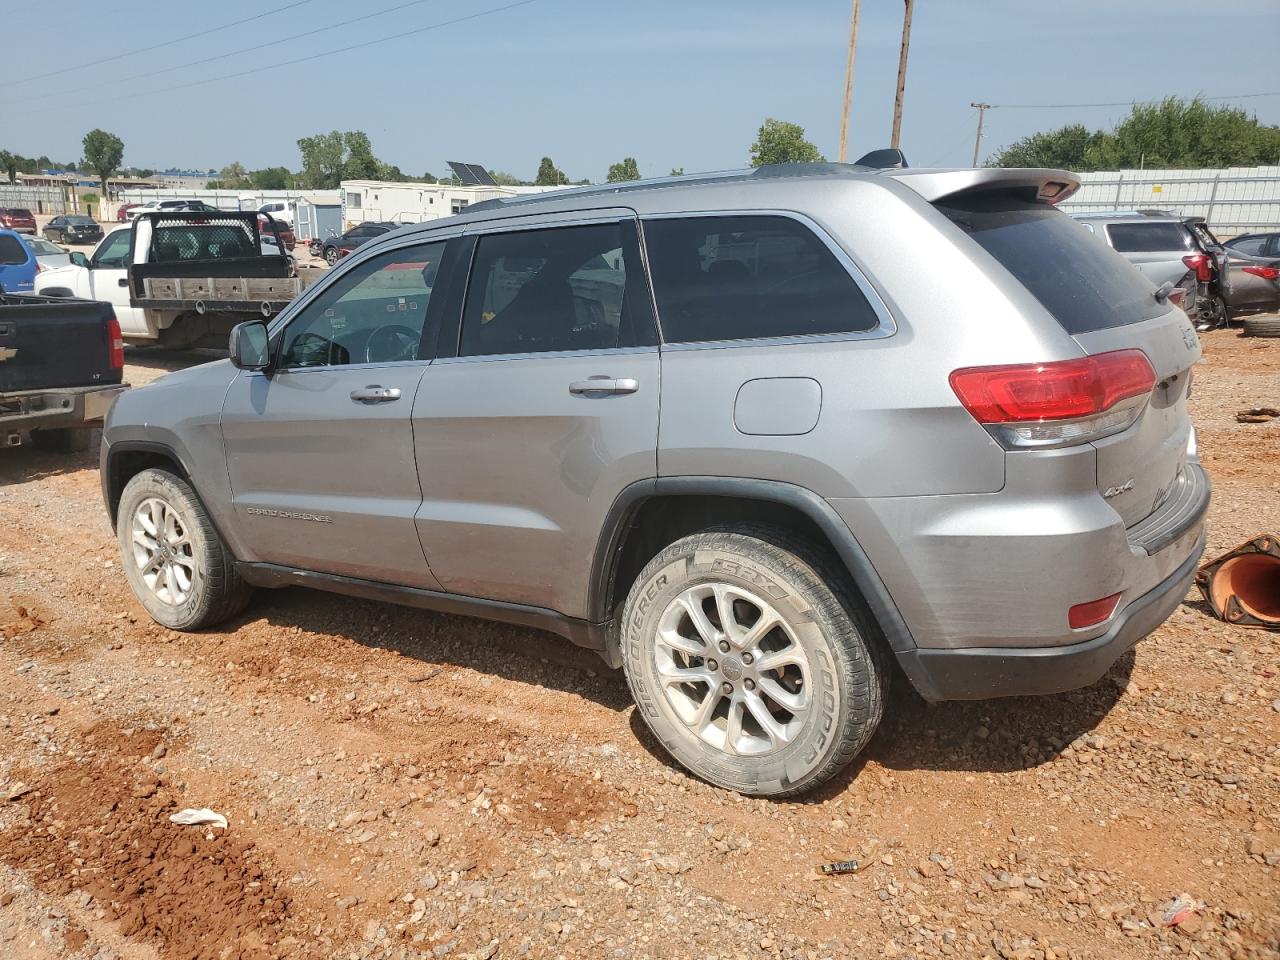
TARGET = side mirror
x,y
250,347
79,259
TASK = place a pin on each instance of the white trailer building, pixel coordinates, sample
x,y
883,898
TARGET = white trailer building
x,y
412,202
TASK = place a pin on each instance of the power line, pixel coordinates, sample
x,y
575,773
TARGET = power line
x,y
296,61
234,53
1117,103
166,43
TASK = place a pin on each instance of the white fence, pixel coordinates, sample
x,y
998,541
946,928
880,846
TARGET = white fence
x,y
1234,200
50,200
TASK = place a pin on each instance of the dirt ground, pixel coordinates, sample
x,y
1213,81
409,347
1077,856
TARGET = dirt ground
x,y
402,784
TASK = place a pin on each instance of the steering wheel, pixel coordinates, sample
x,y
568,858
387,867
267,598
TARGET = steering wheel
x,y
396,341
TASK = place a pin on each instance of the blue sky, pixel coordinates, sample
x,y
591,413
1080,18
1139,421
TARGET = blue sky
x,y
672,83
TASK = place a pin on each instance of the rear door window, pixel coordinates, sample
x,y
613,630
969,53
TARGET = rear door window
x,y
1084,285
1250,246
12,251
749,277
1149,237
562,288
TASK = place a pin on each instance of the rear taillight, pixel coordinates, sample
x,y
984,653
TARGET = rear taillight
x,y
1058,403
1266,273
40,268
115,343
1201,264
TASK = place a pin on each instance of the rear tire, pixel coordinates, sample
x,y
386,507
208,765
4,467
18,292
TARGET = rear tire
x,y
1262,327
331,256
66,440
178,566
765,731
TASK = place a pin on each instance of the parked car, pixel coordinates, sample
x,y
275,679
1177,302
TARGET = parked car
x,y
18,265
464,416
335,248
1255,286
271,228
122,214
61,365
48,255
1258,245
280,210
171,206
70,228
17,219
1158,244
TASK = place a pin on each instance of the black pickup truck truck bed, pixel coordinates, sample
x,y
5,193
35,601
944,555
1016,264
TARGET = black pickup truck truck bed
x,y
61,367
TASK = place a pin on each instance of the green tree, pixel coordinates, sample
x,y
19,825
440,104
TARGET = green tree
x,y
271,178
9,164
676,172
1072,147
781,142
102,154
628,169
234,176
322,160
143,172
1173,133
360,163
504,179
549,175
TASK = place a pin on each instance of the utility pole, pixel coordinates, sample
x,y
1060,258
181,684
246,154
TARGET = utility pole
x,y
848,83
902,75
977,141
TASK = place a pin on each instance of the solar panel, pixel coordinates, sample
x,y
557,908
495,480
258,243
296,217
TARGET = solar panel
x,y
471,174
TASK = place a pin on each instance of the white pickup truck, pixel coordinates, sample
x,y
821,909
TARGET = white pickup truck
x,y
182,279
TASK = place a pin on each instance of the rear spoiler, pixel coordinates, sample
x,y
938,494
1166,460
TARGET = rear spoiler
x,y
1045,185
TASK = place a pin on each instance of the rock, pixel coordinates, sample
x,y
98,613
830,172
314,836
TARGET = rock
x,y
1256,847
487,951
669,865
1228,696
373,930
350,820
429,882
17,790
982,733
346,903
6,898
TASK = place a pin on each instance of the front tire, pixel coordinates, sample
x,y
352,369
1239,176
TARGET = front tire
x,y
176,563
331,256
752,661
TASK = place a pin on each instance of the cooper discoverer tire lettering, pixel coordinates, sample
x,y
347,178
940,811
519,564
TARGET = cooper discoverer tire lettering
x,y
751,661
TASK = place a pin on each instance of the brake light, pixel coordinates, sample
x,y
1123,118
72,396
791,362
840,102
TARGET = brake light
x,y
40,267
115,343
1201,264
1060,402
1266,273
1092,613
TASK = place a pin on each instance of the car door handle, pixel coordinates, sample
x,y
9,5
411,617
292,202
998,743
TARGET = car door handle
x,y
123,281
604,385
375,394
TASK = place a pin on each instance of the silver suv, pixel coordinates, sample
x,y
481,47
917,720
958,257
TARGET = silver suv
x,y
755,437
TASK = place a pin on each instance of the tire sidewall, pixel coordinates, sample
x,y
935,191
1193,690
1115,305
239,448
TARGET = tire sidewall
x,y
165,486
673,572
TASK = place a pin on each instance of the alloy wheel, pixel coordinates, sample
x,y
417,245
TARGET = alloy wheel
x,y
730,667
163,551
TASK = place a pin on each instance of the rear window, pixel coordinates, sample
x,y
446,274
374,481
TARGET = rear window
x,y
213,242
736,278
12,250
1148,237
81,221
1085,285
18,212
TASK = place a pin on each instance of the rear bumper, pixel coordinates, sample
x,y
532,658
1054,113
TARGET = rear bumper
x,y
55,409
980,673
